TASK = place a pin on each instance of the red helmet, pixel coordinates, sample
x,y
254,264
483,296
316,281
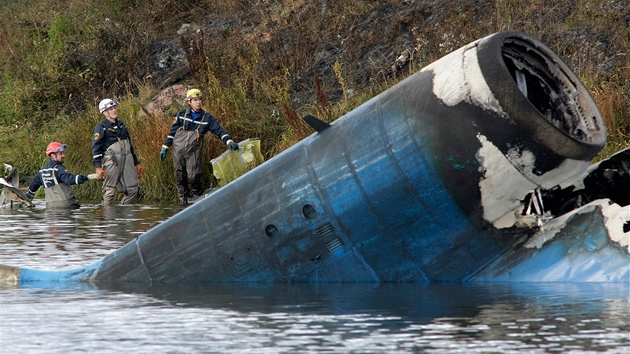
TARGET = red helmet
x,y
55,147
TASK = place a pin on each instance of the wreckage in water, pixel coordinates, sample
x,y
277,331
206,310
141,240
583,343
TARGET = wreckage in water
x,y
475,168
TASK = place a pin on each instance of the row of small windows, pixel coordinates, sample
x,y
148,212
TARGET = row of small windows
x,y
308,211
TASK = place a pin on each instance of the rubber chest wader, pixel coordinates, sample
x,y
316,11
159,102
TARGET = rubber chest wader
x,y
60,195
121,172
187,146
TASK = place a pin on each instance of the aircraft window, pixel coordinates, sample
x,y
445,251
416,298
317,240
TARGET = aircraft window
x,y
309,211
272,231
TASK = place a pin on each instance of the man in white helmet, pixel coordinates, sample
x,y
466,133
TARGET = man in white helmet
x,y
186,139
114,156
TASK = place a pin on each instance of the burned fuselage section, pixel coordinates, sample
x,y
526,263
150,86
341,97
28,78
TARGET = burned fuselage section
x,y
424,182
609,179
579,230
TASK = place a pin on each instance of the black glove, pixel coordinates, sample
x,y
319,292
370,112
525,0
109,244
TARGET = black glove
x,y
163,153
232,145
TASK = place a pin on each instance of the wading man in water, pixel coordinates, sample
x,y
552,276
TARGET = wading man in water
x,y
56,180
186,139
114,156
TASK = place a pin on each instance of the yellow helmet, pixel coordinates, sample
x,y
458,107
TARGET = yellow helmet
x,y
193,93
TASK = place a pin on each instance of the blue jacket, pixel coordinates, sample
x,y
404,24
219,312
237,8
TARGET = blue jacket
x,y
52,174
105,134
201,121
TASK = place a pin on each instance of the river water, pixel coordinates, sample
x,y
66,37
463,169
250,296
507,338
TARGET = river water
x,y
276,318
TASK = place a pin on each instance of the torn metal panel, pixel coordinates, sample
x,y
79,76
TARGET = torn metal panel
x,y
587,244
11,194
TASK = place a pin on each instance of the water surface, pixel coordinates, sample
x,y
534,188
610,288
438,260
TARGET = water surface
x,y
277,318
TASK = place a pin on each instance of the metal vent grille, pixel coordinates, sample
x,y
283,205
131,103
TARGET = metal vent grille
x,y
325,230
333,245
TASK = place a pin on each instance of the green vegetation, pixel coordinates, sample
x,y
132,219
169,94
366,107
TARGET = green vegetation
x,y
261,65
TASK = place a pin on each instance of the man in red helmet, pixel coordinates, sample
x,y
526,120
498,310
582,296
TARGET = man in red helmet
x,y
57,181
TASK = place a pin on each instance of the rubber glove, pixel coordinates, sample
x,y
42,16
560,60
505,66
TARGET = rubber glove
x,y
101,171
140,170
232,145
95,176
163,153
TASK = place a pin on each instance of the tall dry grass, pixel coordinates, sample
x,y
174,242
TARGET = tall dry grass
x,y
613,99
264,68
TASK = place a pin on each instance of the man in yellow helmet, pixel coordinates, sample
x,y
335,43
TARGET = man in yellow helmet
x,y
186,139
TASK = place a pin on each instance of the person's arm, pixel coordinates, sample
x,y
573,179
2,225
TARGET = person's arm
x,y
69,178
98,145
34,186
215,128
177,123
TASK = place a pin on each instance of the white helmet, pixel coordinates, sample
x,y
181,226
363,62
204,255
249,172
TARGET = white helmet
x,y
106,104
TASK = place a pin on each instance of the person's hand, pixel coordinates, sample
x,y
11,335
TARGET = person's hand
x,y
140,170
232,145
95,176
163,153
101,171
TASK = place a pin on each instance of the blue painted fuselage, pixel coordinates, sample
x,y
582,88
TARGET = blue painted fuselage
x,y
414,185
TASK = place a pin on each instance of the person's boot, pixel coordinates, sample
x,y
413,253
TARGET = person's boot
x,y
196,192
182,193
195,198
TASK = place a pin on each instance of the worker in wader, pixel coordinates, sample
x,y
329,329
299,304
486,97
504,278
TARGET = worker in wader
x,y
114,156
186,139
56,180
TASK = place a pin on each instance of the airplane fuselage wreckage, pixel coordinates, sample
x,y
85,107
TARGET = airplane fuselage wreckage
x,y
475,168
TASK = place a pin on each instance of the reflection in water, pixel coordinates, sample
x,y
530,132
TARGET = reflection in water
x,y
277,318
43,238
337,318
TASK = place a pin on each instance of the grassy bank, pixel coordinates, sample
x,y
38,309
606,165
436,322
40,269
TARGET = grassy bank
x,y
262,65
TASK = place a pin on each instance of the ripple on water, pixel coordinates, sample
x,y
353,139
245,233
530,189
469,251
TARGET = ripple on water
x,y
56,239
277,318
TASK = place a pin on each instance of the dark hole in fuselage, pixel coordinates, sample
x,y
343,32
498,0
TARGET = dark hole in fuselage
x,y
272,231
309,211
545,88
